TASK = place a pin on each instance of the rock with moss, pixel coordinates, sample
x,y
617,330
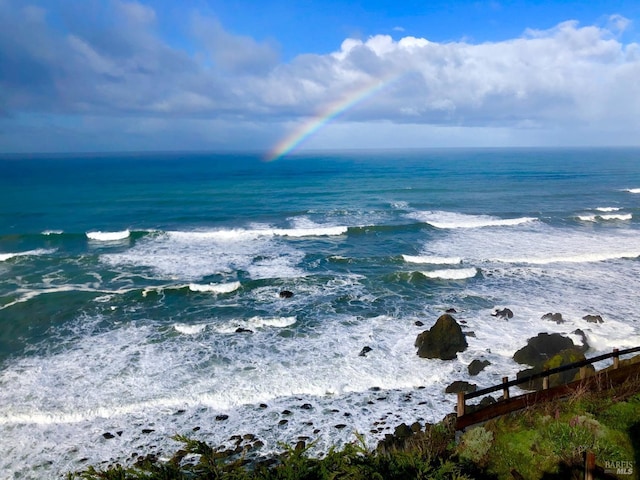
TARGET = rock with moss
x,y
444,340
562,358
542,347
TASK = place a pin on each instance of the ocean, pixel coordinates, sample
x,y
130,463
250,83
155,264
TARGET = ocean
x,y
140,293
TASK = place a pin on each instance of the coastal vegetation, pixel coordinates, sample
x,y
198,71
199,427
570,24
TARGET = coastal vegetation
x,y
544,441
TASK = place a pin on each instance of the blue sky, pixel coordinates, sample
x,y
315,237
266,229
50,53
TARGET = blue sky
x,y
116,75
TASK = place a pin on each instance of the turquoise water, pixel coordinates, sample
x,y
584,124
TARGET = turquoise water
x,y
123,280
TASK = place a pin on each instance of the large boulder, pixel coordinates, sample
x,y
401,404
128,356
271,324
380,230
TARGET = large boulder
x,y
564,357
444,340
539,349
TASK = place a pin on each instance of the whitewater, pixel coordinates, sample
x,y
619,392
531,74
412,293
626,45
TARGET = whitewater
x,y
143,295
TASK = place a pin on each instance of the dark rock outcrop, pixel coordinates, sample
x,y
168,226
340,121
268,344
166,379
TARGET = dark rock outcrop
x,y
476,366
593,318
553,317
541,348
364,351
504,313
286,294
243,330
565,357
459,386
444,340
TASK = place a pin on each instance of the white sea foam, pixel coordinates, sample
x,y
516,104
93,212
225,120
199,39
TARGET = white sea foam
x,y
452,273
28,253
189,329
633,190
108,236
52,232
215,288
430,259
453,220
608,209
191,256
595,218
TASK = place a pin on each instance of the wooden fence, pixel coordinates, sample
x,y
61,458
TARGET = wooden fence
x,y
508,404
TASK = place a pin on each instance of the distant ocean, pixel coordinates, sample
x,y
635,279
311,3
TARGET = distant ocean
x,y
124,280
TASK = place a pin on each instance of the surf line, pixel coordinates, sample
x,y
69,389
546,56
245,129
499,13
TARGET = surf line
x,y
331,111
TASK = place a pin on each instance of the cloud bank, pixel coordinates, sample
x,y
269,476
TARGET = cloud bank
x,y
114,81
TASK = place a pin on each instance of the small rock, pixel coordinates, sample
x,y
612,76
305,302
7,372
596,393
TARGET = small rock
x,y
221,418
451,310
286,412
340,426
418,323
243,330
593,318
147,430
283,422
364,351
504,313
300,446
306,406
263,405
108,435
553,317
477,366
286,294
459,386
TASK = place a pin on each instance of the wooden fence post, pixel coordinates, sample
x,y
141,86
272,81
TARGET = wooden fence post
x,y
616,359
505,390
589,465
583,373
545,383
461,404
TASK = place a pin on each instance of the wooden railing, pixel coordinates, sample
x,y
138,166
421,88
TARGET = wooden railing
x,y
544,375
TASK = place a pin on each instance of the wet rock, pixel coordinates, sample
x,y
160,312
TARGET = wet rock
x,y
541,348
146,431
418,323
286,294
416,427
459,386
340,426
450,310
403,431
585,344
195,429
243,330
443,340
306,406
283,422
263,405
593,318
286,412
364,351
249,437
504,313
108,435
553,317
476,366
300,446
564,357
221,418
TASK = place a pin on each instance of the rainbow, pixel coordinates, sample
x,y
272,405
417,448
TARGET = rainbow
x,y
331,111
